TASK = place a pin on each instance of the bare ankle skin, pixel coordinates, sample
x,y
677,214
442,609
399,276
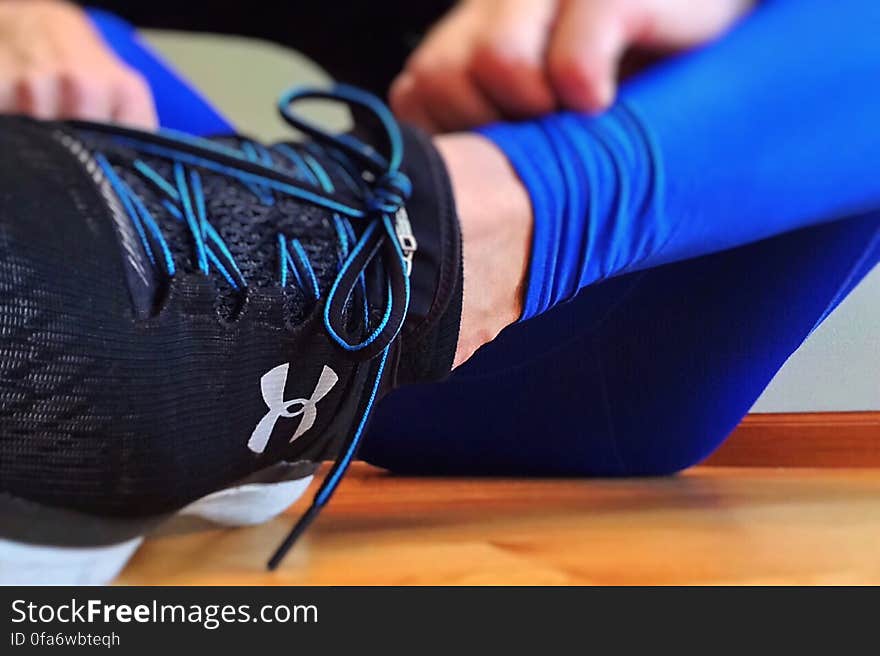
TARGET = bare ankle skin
x,y
496,224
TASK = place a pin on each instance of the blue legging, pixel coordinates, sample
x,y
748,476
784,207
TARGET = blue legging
x,y
642,373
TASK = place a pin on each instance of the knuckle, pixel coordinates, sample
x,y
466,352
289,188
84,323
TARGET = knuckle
x,y
84,94
28,87
419,66
572,72
492,56
397,92
494,60
429,71
401,94
29,80
132,84
70,75
32,91
74,82
137,80
513,74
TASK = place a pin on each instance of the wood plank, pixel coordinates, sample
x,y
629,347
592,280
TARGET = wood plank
x,y
709,525
820,439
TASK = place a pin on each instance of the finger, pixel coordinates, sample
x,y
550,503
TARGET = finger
x,y
508,57
408,106
440,52
84,99
436,85
585,49
452,100
674,24
133,104
459,104
36,94
7,96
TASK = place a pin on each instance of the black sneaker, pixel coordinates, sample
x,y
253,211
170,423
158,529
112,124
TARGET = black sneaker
x,y
190,326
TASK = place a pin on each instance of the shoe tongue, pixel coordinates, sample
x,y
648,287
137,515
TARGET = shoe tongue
x,y
430,335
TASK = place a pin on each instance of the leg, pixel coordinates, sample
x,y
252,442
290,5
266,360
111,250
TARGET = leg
x,y
657,365
642,374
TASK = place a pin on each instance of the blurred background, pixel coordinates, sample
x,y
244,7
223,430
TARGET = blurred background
x,y
363,43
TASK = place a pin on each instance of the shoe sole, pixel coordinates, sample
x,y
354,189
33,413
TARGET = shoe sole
x,y
47,546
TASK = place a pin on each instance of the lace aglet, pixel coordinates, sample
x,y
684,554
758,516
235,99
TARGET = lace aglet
x,y
301,525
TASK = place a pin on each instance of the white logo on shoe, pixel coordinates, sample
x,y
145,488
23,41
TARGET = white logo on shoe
x,y
272,384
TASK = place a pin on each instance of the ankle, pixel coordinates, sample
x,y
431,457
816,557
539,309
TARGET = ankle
x,y
496,223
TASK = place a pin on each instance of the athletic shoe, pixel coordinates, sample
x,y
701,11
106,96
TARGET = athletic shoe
x,y
190,326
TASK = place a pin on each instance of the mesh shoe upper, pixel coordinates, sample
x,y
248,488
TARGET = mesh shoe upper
x,y
170,308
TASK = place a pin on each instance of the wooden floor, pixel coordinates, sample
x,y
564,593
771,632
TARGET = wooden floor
x,y
709,525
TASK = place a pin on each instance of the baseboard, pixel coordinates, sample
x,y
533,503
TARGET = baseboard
x,y
809,439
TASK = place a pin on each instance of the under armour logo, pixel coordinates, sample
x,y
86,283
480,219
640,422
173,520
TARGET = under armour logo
x,y
273,383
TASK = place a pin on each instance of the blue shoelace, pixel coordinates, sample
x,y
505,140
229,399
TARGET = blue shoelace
x,y
376,189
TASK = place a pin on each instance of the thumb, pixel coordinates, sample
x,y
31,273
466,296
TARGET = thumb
x,y
584,53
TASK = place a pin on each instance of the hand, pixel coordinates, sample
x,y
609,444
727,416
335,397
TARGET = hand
x,y
54,65
511,59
